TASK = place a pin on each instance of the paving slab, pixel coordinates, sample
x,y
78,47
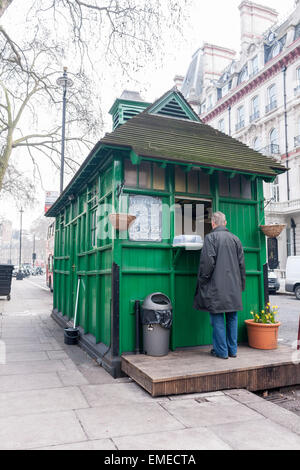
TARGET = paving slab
x,y
109,394
97,375
61,354
258,434
120,420
184,439
31,367
40,401
71,377
40,430
31,347
194,414
26,356
15,383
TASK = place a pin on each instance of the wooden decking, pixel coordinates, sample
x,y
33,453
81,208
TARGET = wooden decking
x,y
195,370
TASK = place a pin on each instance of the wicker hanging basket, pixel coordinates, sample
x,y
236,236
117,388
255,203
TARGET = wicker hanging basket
x,y
121,222
272,231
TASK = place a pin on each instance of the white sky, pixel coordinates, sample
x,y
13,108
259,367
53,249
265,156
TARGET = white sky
x,y
216,21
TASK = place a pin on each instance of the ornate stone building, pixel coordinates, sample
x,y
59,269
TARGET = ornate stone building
x,y
255,97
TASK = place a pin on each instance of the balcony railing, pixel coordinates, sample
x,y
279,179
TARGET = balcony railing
x,y
254,116
297,90
239,125
272,105
270,150
297,141
285,207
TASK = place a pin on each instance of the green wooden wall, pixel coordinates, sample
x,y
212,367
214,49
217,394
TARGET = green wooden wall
x,y
145,267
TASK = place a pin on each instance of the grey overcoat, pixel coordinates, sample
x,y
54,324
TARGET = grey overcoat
x,y
221,276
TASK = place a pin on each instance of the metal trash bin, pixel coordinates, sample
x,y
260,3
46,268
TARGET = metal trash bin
x,y
156,318
5,280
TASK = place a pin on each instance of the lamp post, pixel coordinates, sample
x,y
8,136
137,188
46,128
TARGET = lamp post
x,y
65,83
19,276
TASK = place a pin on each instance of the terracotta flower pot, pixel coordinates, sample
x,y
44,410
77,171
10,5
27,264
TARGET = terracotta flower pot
x,y
262,335
121,221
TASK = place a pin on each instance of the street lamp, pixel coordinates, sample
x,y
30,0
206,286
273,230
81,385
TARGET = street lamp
x,y
19,276
65,83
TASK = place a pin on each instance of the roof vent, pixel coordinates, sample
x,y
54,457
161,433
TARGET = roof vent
x,y
127,106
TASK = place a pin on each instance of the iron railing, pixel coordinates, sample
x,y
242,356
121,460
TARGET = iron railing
x,y
272,105
270,150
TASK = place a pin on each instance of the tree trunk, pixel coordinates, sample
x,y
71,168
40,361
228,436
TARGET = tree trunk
x,y
4,4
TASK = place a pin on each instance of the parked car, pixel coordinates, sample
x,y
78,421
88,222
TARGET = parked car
x,y
292,281
273,283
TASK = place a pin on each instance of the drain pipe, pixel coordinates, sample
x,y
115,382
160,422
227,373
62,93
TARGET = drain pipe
x,y
229,119
137,306
286,132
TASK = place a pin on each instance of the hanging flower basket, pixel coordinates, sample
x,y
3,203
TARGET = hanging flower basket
x,y
121,222
272,231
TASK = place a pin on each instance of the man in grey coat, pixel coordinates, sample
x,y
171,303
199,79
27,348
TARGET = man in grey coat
x,y
221,280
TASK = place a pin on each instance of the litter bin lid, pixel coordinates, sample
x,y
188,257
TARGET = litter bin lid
x,y
157,301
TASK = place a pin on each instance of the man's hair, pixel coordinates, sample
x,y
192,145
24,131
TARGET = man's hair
x,y
218,218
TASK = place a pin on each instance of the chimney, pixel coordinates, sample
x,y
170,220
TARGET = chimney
x,y
215,60
255,20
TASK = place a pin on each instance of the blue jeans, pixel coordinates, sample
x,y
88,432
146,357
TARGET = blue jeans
x,y
225,339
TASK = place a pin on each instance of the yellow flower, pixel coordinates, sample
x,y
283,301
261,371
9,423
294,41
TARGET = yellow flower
x,y
262,311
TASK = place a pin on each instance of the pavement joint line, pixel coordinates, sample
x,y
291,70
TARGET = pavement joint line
x,y
267,415
174,417
35,284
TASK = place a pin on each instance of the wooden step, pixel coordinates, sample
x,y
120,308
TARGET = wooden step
x,y
195,370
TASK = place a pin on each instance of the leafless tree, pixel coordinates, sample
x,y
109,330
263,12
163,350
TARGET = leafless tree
x,y
4,4
28,95
126,33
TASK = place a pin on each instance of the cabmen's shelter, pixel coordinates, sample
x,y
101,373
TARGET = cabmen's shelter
x,y
158,160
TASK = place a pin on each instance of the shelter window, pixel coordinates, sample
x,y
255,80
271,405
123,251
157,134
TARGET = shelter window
x,y
237,187
192,216
93,228
193,182
147,175
148,224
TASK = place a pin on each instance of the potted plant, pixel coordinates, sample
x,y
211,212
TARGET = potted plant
x,y
263,328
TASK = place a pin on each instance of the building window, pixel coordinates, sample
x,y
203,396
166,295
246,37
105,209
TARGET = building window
x,y
243,75
257,144
275,190
274,147
240,118
297,88
254,109
209,102
272,100
221,125
254,65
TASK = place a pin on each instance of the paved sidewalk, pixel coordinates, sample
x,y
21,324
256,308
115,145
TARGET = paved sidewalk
x,y
53,396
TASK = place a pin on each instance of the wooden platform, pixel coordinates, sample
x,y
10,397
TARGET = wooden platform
x,y
195,370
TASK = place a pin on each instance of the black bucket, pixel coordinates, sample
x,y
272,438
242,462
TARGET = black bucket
x,y
71,335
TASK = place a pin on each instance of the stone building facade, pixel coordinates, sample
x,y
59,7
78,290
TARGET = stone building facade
x,y
255,97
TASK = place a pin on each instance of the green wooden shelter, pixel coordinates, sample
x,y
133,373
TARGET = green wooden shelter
x,y
158,157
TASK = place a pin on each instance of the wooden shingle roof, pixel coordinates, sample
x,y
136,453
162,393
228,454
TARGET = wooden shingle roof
x,y
164,138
